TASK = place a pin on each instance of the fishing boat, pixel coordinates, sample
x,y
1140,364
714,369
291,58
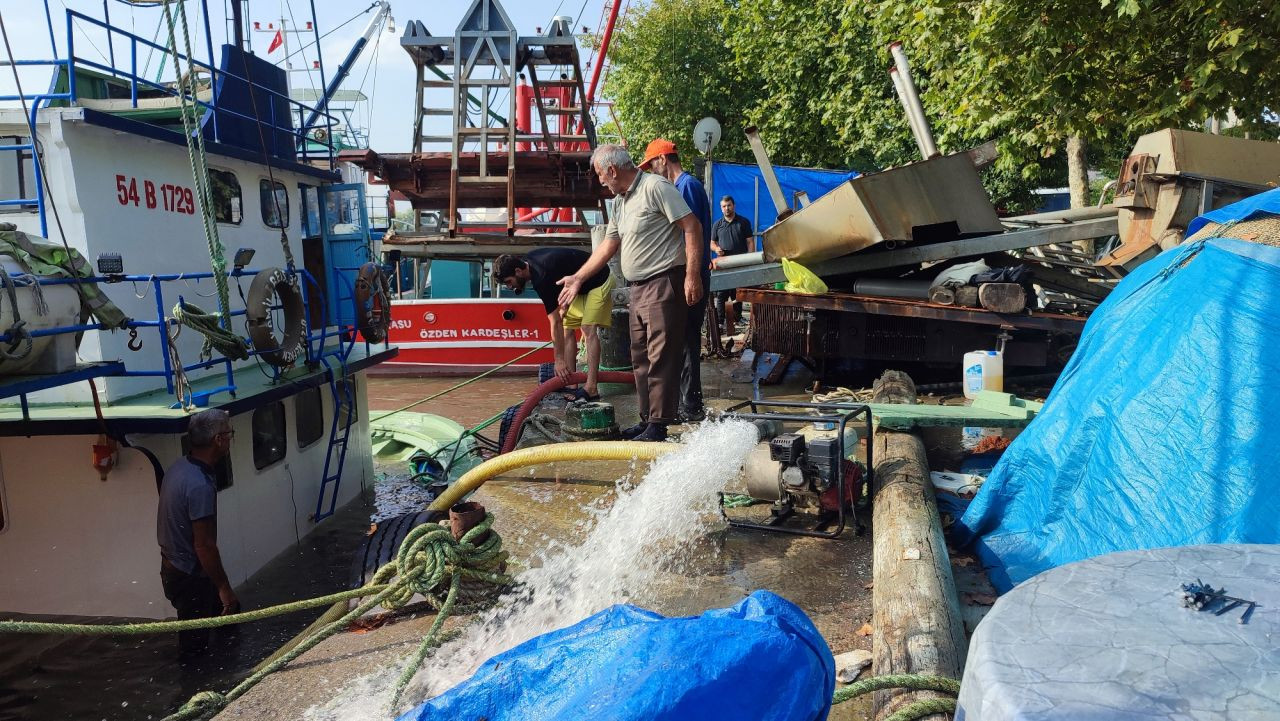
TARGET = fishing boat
x,y
210,187
503,129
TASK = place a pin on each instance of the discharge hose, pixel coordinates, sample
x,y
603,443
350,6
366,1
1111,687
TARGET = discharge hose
x,y
558,452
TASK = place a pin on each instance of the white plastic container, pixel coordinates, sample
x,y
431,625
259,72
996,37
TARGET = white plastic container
x,y
983,371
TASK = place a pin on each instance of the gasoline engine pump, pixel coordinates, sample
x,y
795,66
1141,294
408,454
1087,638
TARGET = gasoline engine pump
x,y
799,471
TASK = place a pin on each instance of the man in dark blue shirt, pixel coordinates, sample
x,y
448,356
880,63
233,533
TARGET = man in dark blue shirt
x,y
661,158
591,309
730,235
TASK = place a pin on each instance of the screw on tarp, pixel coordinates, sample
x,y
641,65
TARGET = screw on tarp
x,y
1201,596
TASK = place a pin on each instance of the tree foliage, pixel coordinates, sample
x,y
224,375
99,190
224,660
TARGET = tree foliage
x,y
671,68
812,74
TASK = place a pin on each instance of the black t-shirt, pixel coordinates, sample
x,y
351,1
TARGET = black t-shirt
x,y
733,236
549,265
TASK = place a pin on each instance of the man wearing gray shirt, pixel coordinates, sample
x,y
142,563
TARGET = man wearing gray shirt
x,y
661,246
187,530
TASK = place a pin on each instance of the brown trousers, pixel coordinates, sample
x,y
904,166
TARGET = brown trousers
x,y
658,318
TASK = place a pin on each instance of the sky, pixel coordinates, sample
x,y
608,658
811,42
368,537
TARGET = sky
x,y
384,71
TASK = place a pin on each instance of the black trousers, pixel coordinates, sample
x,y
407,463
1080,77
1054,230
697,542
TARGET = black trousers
x,y
691,373
192,597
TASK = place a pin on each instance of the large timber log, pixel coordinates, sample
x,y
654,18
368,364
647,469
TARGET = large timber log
x,y
916,623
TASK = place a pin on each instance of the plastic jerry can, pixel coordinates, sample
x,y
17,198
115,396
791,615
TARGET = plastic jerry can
x,y
983,371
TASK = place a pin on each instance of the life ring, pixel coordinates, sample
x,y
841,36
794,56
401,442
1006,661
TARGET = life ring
x,y
373,303
269,286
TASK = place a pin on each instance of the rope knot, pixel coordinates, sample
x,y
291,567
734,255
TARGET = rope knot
x,y
430,561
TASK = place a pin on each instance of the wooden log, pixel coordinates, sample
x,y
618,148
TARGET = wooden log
x,y
967,296
1002,297
916,625
942,295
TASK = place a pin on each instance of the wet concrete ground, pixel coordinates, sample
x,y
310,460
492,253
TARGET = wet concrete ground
x,y
828,579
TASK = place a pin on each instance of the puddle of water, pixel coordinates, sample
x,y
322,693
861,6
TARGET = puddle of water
x,y
645,534
468,405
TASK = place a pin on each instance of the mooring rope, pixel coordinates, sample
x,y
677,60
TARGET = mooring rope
x,y
209,325
428,560
914,682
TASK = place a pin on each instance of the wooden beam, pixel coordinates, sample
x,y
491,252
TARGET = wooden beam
x,y
916,624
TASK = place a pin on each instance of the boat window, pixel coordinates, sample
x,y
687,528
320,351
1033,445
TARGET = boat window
x,y
310,214
268,435
343,212
308,411
350,416
227,200
275,210
221,469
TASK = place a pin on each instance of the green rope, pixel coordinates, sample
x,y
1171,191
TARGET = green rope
x,y
914,682
738,500
216,336
187,88
428,561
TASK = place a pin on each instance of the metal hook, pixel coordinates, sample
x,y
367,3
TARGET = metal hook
x,y
135,343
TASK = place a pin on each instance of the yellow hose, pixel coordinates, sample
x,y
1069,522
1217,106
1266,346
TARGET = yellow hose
x,y
580,451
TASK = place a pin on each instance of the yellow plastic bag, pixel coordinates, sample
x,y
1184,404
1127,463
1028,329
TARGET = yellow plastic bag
x,y
801,280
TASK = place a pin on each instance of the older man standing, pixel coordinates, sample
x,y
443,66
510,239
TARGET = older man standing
x,y
661,245
187,530
661,158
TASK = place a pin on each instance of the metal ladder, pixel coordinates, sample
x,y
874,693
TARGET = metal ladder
x,y
344,404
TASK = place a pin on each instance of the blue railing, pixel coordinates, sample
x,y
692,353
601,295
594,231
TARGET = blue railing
x,y
272,123
318,349
268,120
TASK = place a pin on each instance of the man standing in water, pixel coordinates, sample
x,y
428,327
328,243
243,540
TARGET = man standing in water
x,y
661,158
187,530
660,241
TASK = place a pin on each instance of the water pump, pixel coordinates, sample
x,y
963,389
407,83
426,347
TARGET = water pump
x,y
793,471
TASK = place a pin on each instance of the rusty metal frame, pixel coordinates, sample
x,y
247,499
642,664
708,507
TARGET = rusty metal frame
x,y
847,302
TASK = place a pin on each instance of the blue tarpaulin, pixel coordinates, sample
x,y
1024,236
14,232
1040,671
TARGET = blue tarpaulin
x,y
1161,431
743,182
761,660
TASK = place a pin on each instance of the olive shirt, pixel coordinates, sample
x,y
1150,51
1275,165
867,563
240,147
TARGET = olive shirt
x,y
644,221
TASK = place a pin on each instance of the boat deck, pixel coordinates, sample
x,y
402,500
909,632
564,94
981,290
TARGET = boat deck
x,y
156,411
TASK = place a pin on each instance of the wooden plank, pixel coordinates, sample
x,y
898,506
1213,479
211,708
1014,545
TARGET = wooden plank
x,y
916,626
990,409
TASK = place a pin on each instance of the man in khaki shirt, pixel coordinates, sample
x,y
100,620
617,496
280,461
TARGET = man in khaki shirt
x,y
661,245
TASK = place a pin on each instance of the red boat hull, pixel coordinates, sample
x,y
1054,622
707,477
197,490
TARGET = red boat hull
x,y
468,335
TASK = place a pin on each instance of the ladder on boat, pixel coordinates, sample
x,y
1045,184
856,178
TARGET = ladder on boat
x,y
344,404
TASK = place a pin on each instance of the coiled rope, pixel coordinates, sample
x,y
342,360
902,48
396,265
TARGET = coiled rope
x,y
209,325
429,562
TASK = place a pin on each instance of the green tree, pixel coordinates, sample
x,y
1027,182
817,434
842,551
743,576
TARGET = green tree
x,y
671,68
1040,73
828,100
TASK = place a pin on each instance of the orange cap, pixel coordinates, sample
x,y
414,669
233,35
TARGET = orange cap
x,y
656,149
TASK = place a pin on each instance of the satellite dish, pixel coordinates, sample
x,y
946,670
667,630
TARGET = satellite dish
x,y
706,135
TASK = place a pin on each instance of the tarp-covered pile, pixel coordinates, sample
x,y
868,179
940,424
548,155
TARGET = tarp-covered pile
x,y
1162,430
761,660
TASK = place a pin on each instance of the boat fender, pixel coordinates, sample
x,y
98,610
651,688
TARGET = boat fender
x,y
373,303
272,285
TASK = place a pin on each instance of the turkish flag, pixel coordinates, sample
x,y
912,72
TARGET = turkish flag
x,y
276,41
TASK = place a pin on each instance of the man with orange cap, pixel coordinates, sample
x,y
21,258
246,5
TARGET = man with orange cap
x,y
661,158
